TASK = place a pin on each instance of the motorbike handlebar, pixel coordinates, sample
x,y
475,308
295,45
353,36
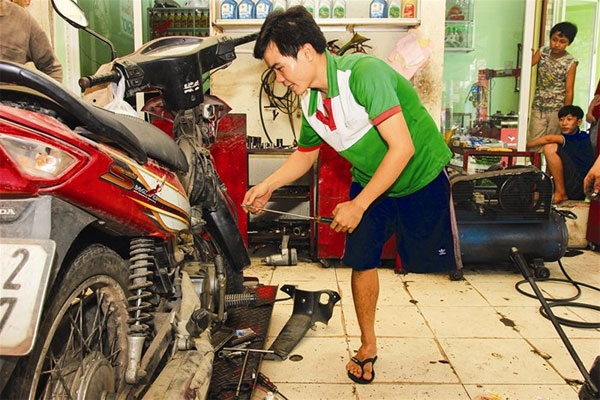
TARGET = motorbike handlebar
x,y
87,82
245,39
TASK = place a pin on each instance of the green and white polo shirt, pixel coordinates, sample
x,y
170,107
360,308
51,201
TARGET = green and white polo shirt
x,y
363,92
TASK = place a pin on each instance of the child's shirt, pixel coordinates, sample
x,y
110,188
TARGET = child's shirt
x,y
551,81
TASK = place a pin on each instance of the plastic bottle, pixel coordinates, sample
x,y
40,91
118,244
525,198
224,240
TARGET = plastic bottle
x,y
378,9
409,9
324,9
279,5
310,6
246,10
263,8
229,9
293,3
394,9
338,9
269,396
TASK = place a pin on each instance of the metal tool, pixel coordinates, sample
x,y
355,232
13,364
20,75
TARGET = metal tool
x,y
319,219
244,364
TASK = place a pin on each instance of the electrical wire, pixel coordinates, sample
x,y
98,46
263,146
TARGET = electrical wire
x,y
288,103
565,302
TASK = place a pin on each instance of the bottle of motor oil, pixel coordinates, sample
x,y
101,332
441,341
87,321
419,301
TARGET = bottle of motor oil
x,y
394,9
293,3
378,9
263,8
409,9
279,5
229,9
338,9
246,10
324,9
310,6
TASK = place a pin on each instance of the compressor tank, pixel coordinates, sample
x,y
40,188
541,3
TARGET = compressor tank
x,y
504,208
485,243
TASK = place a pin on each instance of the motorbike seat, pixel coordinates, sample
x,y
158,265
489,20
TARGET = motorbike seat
x,y
138,138
158,145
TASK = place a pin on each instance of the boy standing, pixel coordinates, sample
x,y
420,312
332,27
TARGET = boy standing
x,y
569,155
372,117
555,81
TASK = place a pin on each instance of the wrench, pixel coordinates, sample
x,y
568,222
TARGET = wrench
x,y
319,219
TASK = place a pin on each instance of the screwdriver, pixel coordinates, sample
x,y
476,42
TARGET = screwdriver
x,y
319,219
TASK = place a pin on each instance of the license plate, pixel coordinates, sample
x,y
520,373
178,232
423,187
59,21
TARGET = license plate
x,y
24,272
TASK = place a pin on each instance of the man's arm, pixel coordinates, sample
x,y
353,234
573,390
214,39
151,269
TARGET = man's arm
x,y
400,150
297,164
42,53
558,139
589,117
395,132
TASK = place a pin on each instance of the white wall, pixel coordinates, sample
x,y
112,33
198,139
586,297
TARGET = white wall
x,y
239,84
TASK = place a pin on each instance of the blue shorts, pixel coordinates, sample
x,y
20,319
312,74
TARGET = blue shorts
x,y
424,225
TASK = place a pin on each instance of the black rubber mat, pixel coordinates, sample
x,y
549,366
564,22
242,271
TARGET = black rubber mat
x,y
225,383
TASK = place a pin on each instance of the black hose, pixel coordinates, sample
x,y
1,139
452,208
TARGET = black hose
x,y
287,104
565,302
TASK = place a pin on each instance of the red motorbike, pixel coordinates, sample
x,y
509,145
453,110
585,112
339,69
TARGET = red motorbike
x,y
120,250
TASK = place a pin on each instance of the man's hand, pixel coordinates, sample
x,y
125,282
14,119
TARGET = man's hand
x,y
591,182
346,216
256,198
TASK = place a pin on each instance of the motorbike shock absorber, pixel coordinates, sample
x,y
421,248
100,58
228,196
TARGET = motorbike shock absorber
x,y
141,266
240,299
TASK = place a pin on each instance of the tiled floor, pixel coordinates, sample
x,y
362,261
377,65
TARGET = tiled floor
x,y
438,339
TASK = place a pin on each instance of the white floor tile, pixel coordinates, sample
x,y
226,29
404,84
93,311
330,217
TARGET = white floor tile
x,y
532,391
467,322
437,338
498,361
530,323
438,292
386,391
559,357
321,360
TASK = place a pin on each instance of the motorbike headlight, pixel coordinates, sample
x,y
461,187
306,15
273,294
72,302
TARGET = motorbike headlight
x,y
36,158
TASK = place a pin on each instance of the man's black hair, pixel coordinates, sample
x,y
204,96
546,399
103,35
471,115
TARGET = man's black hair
x,y
575,111
289,30
565,29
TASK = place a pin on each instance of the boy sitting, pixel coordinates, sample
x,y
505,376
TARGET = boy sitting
x,y
569,155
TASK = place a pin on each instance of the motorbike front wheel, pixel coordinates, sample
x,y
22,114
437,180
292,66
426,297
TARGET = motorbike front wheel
x,y
81,347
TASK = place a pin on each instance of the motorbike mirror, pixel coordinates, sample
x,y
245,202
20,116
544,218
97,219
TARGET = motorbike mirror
x,y
71,12
74,15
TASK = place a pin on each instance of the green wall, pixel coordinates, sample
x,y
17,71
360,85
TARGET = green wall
x,y
113,20
582,15
498,31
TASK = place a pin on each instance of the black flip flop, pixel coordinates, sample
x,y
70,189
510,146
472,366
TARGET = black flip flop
x,y
361,364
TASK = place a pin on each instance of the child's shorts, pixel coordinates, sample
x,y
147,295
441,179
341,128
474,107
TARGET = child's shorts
x,y
424,224
540,124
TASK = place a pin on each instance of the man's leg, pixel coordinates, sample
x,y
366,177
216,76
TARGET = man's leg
x,y
365,290
555,167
